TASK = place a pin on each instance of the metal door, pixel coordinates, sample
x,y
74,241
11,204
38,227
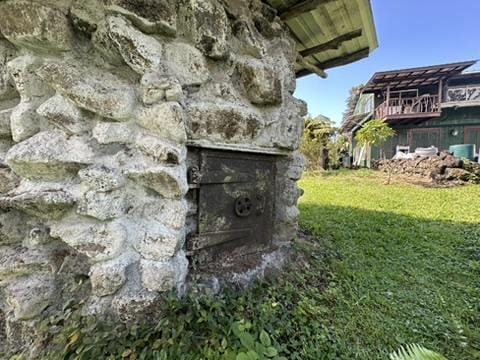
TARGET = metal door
x,y
235,203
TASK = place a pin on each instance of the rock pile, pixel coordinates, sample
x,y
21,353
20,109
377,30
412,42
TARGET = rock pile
x,y
440,168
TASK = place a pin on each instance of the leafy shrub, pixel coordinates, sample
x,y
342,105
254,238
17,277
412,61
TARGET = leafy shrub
x,y
267,321
322,146
195,328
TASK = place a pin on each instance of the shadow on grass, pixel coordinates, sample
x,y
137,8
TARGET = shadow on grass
x,y
398,279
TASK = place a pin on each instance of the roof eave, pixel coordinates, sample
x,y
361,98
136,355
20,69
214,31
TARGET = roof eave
x,y
356,30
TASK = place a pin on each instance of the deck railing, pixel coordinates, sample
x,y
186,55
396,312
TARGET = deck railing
x,y
410,106
463,93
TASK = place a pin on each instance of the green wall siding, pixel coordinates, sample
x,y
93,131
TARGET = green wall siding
x,y
438,131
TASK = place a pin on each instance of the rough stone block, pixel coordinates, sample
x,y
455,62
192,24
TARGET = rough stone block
x,y
134,302
5,145
165,120
105,46
157,87
261,82
186,63
288,129
30,296
223,122
101,178
141,52
296,167
288,215
5,129
152,146
284,63
168,181
458,174
35,26
206,23
160,150
98,241
114,133
103,205
91,89
86,15
169,212
49,155
7,87
63,114
44,203
20,336
38,236
24,121
23,71
155,241
165,275
149,16
247,39
108,277
290,193
8,180
13,227
16,262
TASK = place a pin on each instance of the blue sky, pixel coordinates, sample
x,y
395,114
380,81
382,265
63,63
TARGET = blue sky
x,y
410,33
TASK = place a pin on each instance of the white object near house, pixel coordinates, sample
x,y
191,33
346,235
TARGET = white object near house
x,y
430,151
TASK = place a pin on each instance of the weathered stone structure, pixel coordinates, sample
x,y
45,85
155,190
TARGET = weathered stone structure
x,y
104,106
150,145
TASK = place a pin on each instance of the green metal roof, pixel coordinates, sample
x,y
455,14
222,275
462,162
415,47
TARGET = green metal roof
x,y
324,21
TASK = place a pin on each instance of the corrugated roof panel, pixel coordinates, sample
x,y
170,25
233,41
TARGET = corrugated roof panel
x,y
418,76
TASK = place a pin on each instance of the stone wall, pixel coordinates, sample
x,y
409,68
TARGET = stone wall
x,y
98,101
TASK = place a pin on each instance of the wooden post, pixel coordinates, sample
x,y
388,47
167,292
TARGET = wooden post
x,y
388,100
332,44
440,91
311,66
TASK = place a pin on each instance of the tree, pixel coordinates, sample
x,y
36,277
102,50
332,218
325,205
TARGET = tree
x,y
338,147
316,140
351,102
374,133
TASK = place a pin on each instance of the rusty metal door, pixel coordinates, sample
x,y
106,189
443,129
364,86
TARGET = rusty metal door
x,y
235,203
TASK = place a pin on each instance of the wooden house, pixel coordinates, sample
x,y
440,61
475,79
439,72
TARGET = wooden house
x,y
427,106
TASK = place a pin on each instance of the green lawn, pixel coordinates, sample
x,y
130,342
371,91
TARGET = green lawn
x,y
404,262
384,265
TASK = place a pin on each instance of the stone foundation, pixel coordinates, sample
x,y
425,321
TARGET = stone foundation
x,y
99,101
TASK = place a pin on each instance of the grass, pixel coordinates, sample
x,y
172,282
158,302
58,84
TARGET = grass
x,y
386,265
407,263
